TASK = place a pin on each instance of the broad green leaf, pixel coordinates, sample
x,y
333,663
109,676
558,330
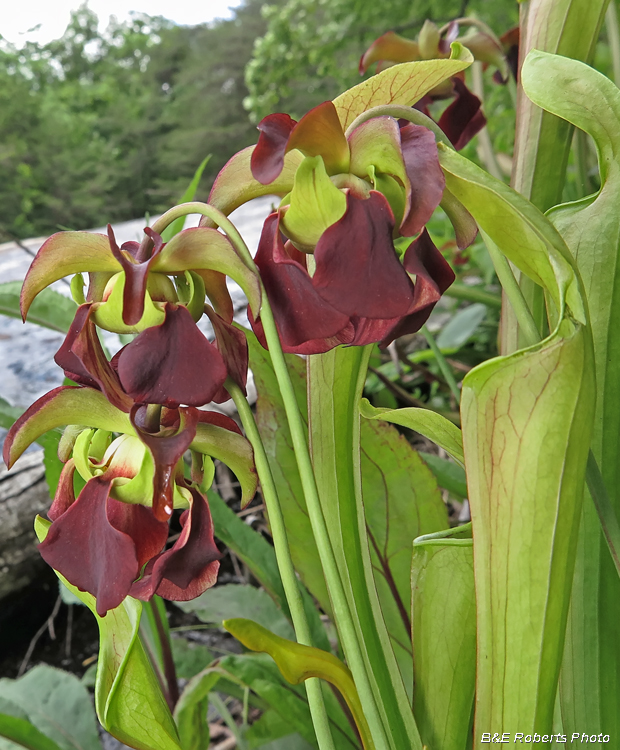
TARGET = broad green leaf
x,y
527,420
449,475
56,704
461,327
444,637
542,140
8,413
189,657
590,681
315,203
178,224
270,728
401,84
18,731
50,309
425,421
128,699
335,382
402,501
237,600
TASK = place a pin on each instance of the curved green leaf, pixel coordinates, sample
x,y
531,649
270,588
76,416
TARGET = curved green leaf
x,y
401,84
425,421
22,732
190,712
444,636
298,663
128,699
590,681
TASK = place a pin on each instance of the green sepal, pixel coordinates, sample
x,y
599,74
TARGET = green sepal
x,y
203,248
233,450
64,254
77,289
315,204
298,663
66,406
128,699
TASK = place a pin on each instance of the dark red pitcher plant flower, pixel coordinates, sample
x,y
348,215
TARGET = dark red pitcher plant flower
x,y
138,412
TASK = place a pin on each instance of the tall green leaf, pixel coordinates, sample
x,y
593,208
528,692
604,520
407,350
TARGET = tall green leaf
x,y
527,420
50,309
590,681
444,637
178,224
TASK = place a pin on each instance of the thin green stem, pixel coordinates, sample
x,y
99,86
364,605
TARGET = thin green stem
x,y
513,292
473,294
223,711
613,37
444,366
285,562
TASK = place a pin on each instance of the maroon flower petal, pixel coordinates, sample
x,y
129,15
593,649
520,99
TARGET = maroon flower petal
x,y
268,156
219,420
84,546
64,496
320,133
137,521
357,270
301,314
463,118
82,359
136,274
433,276
233,346
190,566
172,363
426,179
166,448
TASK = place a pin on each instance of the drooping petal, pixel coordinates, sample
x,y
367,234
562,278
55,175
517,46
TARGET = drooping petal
x,y
465,227
64,496
136,274
167,447
357,270
426,180
233,346
463,118
89,551
428,40
82,359
171,364
301,314
217,292
137,521
61,406
63,254
390,47
190,566
319,133
268,156
433,276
